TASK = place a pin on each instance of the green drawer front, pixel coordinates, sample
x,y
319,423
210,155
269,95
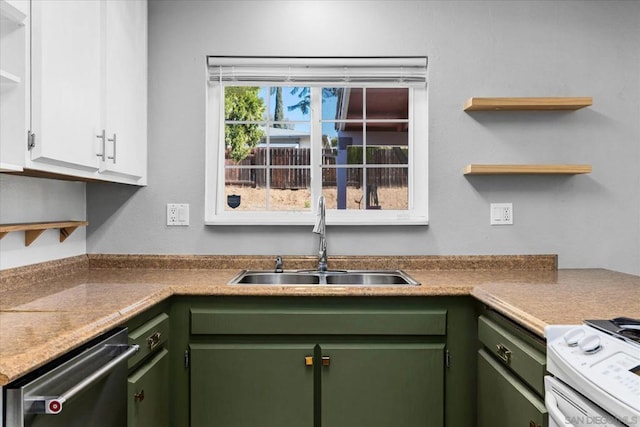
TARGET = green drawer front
x,y
503,400
283,322
148,393
149,337
527,362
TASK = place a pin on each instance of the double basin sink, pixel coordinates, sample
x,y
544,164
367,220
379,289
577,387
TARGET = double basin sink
x,y
324,278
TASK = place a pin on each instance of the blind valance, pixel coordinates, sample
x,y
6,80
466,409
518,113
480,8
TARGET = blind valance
x,y
316,71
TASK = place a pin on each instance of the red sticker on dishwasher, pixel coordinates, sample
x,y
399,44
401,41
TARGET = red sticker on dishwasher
x,y
53,406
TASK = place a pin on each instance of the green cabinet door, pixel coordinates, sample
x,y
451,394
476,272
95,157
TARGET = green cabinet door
x,y
382,385
148,393
250,385
504,400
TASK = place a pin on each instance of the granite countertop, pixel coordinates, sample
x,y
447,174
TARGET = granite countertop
x,y
44,313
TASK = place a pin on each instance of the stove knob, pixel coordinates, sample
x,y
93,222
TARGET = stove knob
x,y
590,344
573,336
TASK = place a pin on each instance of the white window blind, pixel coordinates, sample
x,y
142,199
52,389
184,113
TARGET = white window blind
x,y
315,71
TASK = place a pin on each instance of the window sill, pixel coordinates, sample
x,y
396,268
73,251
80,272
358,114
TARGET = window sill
x,y
382,218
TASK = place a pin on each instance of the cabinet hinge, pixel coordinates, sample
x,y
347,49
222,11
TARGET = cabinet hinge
x,y
447,359
186,358
31,140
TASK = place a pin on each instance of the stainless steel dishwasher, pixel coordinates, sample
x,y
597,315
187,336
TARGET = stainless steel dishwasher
x,y
88,387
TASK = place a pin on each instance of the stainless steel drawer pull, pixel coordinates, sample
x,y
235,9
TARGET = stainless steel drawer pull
x,y
503,353
153,340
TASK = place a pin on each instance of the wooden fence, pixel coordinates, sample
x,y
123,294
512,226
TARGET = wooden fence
x,y
298,176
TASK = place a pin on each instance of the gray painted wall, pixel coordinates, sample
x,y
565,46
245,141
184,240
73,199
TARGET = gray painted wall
x,y
475,48
24,199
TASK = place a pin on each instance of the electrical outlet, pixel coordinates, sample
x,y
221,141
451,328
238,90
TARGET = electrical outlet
x,y
177,214
501,214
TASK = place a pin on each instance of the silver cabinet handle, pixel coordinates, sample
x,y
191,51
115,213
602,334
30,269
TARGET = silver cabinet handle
x,y
114,148
53,405
103,137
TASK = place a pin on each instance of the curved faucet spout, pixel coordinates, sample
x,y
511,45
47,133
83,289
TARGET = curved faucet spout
x,y
320,229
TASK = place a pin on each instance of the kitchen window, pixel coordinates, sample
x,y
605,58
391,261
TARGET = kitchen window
x,y
283,131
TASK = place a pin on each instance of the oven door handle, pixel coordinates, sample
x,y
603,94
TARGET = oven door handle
x,y
53,405
555,413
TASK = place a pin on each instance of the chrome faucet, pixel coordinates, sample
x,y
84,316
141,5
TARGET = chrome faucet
x,y
320,229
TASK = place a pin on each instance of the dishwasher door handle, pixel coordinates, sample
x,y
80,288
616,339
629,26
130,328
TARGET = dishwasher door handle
x,y
53,405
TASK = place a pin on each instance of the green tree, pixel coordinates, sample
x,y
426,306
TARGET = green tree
x,y
242,103
304,94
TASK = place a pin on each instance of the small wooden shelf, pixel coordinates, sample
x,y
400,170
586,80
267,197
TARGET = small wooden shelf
x,y
475,169
527,104
32,230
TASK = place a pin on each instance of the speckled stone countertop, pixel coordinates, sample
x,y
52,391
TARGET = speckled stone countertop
x,y
47,310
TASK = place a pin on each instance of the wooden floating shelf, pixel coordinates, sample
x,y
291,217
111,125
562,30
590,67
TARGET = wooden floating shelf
x,y
32,230
475,169
527,104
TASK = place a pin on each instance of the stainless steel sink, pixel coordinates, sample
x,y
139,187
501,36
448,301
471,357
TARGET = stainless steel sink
x,y
328,278
270,278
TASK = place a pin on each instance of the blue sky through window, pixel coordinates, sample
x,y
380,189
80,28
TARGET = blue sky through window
x,y
328,106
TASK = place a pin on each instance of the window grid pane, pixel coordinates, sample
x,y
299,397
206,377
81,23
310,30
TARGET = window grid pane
x,y
267,148
370,155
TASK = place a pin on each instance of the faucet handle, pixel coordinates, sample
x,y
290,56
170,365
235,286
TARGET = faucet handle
x,y
279,264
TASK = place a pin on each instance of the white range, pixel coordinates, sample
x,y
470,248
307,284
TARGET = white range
x,y
595,373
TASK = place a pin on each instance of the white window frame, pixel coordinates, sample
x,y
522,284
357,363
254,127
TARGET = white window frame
x,y
418,147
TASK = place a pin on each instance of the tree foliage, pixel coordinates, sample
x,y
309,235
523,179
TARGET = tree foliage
x,y
304,94
242,104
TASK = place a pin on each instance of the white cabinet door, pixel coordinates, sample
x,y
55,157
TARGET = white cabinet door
x,y
66,82
126,89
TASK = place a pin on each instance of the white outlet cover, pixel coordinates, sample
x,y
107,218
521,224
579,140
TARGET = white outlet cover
x,y
177,214
501,214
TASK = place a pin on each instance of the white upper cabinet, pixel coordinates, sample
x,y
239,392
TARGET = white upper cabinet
x,y
14,83
88,110
126,89
66,79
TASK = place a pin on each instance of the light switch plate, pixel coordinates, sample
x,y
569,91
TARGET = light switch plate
x,y
177,214
501,213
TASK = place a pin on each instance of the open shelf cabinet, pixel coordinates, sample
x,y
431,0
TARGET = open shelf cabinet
x,y
9,12
527,169
14,83
32,230
527,104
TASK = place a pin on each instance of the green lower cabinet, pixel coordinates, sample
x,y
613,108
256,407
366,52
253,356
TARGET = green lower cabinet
x,y
249,385
503,399
148,393
329,385
381,385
